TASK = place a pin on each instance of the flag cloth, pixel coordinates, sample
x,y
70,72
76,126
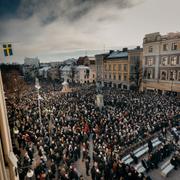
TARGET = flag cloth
x,y
7,49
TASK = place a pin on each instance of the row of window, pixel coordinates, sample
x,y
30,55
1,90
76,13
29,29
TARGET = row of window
x,y
165,47
173,61
170,75
114,67
114,77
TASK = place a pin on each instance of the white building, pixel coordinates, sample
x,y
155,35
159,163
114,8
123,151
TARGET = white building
x,y
84,74
30,67
43,72
34,62
66,72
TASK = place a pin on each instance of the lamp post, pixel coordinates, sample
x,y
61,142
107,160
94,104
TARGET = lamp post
x,y
172,85
37,86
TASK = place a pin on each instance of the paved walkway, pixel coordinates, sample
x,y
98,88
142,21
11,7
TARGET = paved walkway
x,y
80,165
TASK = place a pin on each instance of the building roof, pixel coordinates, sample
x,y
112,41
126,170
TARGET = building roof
x,y
66,68
31,61
82,67
44,68
117,54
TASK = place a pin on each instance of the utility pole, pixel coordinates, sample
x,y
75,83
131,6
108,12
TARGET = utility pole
x,y
37,86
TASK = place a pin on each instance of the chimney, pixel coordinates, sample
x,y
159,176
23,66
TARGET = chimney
x,y
125,49
138,47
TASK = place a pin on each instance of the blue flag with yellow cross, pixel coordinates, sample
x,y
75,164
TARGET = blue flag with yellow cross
x,y
7,48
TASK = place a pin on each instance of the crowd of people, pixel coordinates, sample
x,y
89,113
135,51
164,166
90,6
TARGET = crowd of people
x,y
48,145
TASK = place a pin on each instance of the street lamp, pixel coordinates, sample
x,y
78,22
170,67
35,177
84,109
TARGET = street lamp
x,y
37,86
172,85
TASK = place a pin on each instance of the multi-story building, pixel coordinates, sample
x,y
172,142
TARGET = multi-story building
x,y
8,160
161,62
31,67
67,73
116,69
119,68
99,63
90,63
84,74
135,57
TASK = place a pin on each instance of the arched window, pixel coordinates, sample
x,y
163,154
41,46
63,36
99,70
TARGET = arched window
x,y
163,75
172,75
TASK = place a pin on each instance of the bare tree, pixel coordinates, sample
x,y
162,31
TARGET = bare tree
x,y
72,73
14,83
138,74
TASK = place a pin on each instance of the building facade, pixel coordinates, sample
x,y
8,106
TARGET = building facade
x,y
31,68
161,62
8,161
135,57
99,64
119,69
84,74
116,70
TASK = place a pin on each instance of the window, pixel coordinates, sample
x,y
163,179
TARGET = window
x,y
109,76
163,75
179,76
164,60
119,77
114,77
150,61
150,73
165,47
173,61
150,49
174,46
125,67
105,67
132,69
119,67
114,67
105,76
125,77
172,75
109,67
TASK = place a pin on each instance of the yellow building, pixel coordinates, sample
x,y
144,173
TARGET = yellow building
x,y
8,161
120,69
161,62
116,69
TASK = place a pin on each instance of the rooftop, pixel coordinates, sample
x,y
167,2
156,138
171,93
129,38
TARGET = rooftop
x,y
117,54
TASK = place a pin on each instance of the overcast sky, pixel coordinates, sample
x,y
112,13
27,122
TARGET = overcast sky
x,y
59,29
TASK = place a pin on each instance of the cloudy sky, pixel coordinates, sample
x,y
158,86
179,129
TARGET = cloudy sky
x,y
59,29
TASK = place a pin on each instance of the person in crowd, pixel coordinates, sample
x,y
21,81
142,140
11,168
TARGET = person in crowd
x,y
51,143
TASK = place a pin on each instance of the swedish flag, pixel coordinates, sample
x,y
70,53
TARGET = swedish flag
x,y
7,49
